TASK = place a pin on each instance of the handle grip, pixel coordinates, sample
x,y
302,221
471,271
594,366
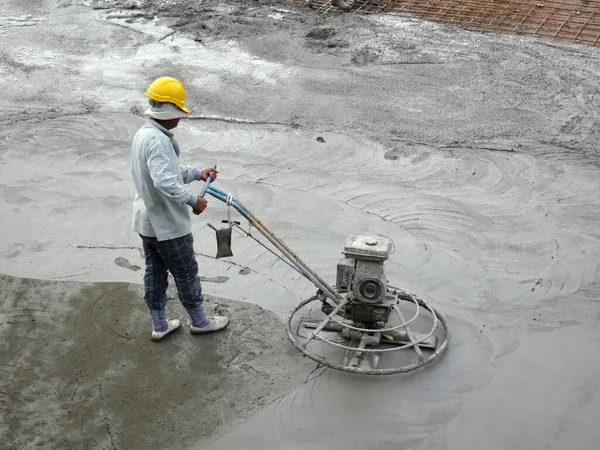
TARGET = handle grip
x,y
233,221
205,187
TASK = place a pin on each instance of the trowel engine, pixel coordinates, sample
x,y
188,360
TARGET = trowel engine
x,y
360,275
363,314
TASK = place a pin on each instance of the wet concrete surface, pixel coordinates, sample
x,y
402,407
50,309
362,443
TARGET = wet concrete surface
x,y
79,369
477,154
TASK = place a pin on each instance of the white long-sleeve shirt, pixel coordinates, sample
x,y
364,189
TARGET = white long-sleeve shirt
x,y
162,201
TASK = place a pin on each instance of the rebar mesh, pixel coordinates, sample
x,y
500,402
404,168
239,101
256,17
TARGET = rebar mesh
x,y
561,20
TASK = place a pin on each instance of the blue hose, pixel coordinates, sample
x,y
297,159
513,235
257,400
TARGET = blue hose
x,y
218,191
218,194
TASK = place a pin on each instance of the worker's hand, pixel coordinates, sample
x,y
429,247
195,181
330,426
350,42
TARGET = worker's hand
x,y
199,206
210,172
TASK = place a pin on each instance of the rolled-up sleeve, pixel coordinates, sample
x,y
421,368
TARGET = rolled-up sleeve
x,y
163,167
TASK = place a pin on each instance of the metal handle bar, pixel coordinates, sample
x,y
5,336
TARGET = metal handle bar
x,y
287,252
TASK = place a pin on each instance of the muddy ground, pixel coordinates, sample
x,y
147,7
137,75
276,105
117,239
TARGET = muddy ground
x,y
89,377
477,154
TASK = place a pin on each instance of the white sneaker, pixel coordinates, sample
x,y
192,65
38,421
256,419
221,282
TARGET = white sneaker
x,y
173,324
216,323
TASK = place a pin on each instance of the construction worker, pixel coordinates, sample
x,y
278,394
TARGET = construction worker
x,y
161,212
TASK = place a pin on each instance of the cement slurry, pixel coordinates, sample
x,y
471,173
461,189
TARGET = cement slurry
x,y
475,153
79,369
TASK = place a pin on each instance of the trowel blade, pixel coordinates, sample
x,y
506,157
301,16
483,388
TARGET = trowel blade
x,y
400,337
361,360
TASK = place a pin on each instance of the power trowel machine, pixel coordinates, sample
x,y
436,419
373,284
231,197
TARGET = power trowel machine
x,y
363,325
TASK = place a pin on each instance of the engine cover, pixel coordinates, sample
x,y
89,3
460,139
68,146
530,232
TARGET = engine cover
x,y
368,248
369,284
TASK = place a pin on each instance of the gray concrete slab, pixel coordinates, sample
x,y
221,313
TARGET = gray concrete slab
x,y
477,154
79,369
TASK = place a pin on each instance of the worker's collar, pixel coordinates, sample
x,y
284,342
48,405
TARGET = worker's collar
x,y
154,123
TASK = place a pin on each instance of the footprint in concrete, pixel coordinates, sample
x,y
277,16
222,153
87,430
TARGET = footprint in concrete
x,y
214,279
364,57
122,262
14,250
222,309
321,33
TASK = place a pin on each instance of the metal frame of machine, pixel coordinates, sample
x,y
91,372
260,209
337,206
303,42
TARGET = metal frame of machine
x,y
363,303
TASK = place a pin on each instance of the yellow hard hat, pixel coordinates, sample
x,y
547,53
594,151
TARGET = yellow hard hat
x,y
167,90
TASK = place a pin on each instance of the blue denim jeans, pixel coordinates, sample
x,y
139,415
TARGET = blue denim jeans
x,y
176,256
